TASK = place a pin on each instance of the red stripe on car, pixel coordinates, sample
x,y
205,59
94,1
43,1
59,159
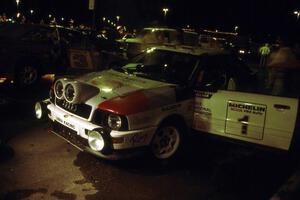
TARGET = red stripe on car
x,y
132,103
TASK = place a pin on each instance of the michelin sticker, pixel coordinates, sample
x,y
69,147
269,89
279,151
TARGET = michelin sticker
x,y
245,119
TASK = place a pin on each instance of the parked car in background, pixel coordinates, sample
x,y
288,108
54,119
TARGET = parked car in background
x,y
153,36
28,51
156,99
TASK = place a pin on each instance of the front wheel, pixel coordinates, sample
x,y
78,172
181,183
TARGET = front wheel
x,y
166,141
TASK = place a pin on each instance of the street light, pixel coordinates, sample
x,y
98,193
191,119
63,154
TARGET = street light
x,y
49,15
103,18
31,11
236,28
18,3
297,13
118,19
165,11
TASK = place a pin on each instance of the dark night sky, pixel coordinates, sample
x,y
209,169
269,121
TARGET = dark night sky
x,y
258,16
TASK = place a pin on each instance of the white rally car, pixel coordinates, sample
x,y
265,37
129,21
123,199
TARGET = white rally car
x,y
160,96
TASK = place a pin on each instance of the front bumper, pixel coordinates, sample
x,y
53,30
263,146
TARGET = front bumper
x,y
82,144
122,144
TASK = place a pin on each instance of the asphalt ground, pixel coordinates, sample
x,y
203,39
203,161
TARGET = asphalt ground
x,y
35,164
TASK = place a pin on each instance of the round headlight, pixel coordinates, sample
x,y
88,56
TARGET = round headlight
x,y
114,122
38,110
69,92
96,141
59,89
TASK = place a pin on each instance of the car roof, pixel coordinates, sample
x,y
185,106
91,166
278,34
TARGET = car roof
x,y
159,29
35,25
196,51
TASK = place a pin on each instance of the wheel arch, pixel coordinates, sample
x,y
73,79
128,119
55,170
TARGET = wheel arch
x,y
177,119
29,60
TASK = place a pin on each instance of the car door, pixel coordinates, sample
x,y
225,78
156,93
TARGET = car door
x,y
251,117
210,104
261,119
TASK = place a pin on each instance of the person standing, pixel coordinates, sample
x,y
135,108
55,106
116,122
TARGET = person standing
x,y
283,71
264,52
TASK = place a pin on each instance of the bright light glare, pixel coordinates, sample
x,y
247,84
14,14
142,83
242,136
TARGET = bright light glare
x,y
96,141
151,50
38,110
241,51
2,80
106,90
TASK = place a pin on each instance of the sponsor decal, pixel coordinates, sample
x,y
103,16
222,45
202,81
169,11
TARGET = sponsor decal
x,y
138,139
247,108
205,95
202,117
199,108
246,119
65,123
171,107
81,59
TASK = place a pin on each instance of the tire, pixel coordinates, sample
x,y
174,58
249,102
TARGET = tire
x,y
26,75
167,141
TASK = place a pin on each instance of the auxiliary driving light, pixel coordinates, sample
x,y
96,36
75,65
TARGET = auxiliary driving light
x,y
58,89
40,109
96,141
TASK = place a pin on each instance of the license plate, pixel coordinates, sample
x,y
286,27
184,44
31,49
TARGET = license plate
x,y
68,124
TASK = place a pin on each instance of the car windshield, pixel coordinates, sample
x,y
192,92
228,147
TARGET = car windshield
x,y
164,66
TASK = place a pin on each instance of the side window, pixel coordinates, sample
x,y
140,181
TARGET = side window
x,y
274,81
182,66
212,75
71,37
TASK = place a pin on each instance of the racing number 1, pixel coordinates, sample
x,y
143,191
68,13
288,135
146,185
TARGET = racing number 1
x,y
244,120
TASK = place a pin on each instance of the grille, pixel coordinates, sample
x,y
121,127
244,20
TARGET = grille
x,y
81,110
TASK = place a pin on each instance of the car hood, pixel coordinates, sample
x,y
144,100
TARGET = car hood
x,y
118,84
126,94
117,92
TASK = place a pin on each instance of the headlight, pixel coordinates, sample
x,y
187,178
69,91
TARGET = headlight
x,y
114,121
59,89
96,141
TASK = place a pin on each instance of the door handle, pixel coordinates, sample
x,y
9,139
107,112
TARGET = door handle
x,y
281,107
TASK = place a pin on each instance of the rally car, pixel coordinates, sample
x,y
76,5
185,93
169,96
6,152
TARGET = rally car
x,y
154,101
